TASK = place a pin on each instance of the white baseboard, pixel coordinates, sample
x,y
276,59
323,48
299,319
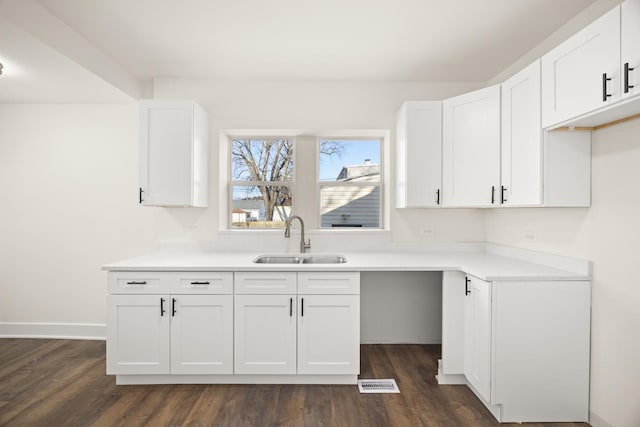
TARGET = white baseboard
x,y
74,331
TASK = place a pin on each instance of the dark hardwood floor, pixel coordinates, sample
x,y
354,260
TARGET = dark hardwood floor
x,y
63,383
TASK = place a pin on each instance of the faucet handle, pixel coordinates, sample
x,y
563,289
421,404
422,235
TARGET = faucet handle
x,y
307,244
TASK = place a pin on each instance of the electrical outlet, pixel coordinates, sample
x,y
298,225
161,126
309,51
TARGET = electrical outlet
x,y
192,227
427,231
530,235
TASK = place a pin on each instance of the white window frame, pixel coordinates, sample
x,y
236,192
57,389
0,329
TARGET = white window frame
x,y
310,211
231,183
380,183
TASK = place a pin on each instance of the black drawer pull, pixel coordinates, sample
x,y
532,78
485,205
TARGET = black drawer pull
x,y
605,95
161,307
438,196
466,286
290,307
200,283
627,86
493,194
136,283
302,307
173,307
503,189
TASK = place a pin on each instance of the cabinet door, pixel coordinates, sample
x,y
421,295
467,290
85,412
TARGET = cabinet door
x,y
477,336
138,334
201,334
173,153
572,73
471,148
521,139
419,154
630,47
265,334
329,334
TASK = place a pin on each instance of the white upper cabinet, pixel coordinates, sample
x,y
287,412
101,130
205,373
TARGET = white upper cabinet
x,y
630,48
521,139
471,149
583,73
174,140
419,154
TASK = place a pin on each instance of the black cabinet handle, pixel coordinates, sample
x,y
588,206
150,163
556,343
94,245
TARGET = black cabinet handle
x,y
503,189
438,196
140,199
466,286
302,307
173,307
627,86
290,307
605,79
199,283
161,307
136,283
493,194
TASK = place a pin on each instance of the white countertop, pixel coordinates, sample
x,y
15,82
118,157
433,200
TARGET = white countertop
x,y
483,265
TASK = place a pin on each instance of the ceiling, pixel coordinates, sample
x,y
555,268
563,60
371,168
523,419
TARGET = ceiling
x,y
364,40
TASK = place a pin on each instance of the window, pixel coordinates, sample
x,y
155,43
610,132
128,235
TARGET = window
x,y
350,183
334,180
262,179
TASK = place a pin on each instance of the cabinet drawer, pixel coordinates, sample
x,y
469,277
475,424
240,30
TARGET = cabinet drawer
x,y
335,283
202,283
138,282
265,283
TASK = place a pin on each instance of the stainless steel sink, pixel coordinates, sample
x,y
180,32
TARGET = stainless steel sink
x,y
277,260
302,259
324,259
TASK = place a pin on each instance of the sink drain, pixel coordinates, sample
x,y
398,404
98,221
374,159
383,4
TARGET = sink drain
x,y
378,386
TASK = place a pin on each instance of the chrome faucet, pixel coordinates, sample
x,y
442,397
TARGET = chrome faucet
x,y
287,233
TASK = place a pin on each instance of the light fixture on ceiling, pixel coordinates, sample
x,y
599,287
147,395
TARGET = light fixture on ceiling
x,y
1,66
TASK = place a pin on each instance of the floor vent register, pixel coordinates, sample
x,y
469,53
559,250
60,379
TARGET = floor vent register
x,y
378,386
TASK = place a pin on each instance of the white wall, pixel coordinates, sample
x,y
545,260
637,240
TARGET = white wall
x,y
69,179
578,22
608,234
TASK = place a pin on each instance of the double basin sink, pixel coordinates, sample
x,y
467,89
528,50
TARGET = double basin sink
x,y
300,259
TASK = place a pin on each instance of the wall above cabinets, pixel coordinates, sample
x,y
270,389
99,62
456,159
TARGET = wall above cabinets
x,y
174,145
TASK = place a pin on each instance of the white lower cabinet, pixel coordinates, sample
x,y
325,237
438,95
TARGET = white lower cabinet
x,y
169,327
329,334
202,334
265,334
169,333
477,335
524,346
309,333
138,334
163,334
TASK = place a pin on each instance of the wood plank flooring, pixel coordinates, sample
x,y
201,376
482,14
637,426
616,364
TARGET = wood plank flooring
x,y
63,383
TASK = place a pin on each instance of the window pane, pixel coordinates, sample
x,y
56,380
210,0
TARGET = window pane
x,y
262,160
261,206
350,160
350,206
